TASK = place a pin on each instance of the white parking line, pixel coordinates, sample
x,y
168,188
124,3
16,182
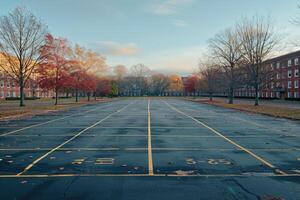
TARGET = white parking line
x,y
47,122
229,140
69,140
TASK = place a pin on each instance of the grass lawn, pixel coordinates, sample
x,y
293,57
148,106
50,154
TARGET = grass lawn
x,y
10,109
271,110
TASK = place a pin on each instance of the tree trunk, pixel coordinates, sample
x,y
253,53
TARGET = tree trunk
x,y
89,96
56,96
21,93
210,96
95,97
76,95
230,95
256,94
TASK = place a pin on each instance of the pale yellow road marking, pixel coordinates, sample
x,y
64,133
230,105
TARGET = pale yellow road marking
x,y
47,122
69,140
229,140
150,161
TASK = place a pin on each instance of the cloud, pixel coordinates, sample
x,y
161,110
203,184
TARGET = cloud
x,y
168,7
116,49
179,23
182,61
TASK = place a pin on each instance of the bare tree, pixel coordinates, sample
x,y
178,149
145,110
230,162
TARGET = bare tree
x,y
226,48
21,38
159,84
140,72
258,39
210,75
120,72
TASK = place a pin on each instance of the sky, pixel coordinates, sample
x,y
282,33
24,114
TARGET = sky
x,y
168,36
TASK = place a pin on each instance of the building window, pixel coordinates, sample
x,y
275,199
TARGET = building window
x,y
278,76
1,94
272,85
277,84
289,84
289,95
296,73
8,94
272,66
1,83
278,65
296,84
7,84
296,61
289,63
289,73
296,94
14,94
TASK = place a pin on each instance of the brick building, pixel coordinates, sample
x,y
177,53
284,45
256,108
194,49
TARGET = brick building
x,y
10,88
283,81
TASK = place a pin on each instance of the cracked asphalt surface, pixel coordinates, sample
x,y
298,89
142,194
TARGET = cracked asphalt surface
x,y
106,151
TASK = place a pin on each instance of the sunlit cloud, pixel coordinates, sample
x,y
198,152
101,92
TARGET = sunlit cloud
x,y
168,7
112,48
182,61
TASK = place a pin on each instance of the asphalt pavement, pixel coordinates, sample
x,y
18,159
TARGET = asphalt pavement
x,y
150,148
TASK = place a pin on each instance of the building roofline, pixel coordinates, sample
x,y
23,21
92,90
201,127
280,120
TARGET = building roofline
x,y
283,55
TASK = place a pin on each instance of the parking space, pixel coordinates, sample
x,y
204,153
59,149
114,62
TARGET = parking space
x,y
146,137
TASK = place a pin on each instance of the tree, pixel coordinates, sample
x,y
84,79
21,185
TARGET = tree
x,y
258,39
88,84
53,72
226,48
191,84
140,73
85,61
120,72
210,75
103,87
159,84
175,83
21,39
113,89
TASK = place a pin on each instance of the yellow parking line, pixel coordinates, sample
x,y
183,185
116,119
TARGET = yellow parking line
x,y
47,122
150,161
254,174
69,140
229,140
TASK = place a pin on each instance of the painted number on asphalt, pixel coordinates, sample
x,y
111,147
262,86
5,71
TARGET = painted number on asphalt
x,y
104,161
98,161
191,161
218,161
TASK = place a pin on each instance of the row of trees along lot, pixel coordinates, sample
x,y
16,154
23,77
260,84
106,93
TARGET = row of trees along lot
x,y
236,57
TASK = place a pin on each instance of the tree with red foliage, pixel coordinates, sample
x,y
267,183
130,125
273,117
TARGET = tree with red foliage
x,y
103,87
53,72
88,84
191,84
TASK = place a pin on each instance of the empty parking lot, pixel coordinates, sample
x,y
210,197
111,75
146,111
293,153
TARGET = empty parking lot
x,y
145,148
